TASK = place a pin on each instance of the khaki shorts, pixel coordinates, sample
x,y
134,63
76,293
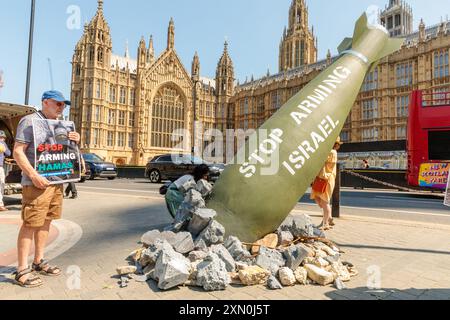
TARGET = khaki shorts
x,y
41,205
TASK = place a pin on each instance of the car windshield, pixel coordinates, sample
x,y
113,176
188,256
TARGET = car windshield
x,y
92,157
187,159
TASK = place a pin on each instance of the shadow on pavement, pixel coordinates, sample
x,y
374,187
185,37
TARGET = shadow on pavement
x,y
355,246
389,294
118,229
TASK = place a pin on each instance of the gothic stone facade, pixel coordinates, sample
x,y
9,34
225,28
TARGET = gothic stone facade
x,y
127,109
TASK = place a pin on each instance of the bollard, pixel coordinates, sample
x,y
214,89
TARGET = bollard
x,y
336,198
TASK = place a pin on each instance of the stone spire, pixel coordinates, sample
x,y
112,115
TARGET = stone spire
x,y
100,5
422,35
127,51
171,35
150,51
195,72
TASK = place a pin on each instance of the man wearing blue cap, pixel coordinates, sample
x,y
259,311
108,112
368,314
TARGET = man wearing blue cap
x,y
41,202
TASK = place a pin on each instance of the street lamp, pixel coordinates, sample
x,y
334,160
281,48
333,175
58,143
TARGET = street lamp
x,y
30,53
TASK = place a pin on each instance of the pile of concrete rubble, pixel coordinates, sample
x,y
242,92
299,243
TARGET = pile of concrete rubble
x,y
194,252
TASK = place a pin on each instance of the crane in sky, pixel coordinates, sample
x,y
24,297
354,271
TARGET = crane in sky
x,y
51,73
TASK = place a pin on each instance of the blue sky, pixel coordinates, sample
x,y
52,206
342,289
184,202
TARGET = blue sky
x,y
253,29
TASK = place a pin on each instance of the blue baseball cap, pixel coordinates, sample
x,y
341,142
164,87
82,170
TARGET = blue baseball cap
x,y
55,95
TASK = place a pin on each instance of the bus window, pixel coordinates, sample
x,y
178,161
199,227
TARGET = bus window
x,y
439,145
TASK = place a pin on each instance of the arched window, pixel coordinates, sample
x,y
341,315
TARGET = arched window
x,y
168,113
100,55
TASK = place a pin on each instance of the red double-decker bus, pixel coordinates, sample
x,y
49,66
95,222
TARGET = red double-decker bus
x,y
429,139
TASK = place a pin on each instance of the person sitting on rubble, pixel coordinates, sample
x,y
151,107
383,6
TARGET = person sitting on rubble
x,y
175,193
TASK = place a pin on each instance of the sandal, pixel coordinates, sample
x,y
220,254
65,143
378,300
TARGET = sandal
x,y
33,281
46,269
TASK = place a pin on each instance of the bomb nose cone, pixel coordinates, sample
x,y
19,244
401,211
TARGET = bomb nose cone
x,y
370,40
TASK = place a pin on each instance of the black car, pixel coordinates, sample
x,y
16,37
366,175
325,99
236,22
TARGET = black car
x,y
98,167
171,167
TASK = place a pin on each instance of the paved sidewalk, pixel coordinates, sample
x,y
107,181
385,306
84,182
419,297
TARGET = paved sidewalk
x,y
406,260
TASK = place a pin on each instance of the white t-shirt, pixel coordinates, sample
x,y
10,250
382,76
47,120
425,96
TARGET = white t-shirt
x,y
183,180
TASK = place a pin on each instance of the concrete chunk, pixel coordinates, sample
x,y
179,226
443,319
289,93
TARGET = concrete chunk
x,y
197,255
225,256
236,249
212,274
171,270
300,225
294,256
318,275
150,237
273,283
188,185
183,242
204,187
201,218
285,238
254,275
123,271
270,259
287,277
150,255
340,271
270,241
213,234
301,275
195,199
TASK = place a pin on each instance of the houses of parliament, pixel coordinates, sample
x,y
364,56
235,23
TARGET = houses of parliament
x,y
127,109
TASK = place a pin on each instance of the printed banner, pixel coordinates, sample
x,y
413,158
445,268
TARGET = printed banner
x,y
434,175
447,193
57,158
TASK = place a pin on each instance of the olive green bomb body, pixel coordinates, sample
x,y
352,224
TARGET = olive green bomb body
x,y
281,159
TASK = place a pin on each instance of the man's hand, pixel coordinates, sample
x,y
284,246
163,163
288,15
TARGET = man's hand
x,y
39,182
75,136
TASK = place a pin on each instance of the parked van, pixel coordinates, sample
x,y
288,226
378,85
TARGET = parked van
x,y
10,116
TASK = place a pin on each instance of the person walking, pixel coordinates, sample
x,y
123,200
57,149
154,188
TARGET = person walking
x,y
41,202
71,188
4,151
323,186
